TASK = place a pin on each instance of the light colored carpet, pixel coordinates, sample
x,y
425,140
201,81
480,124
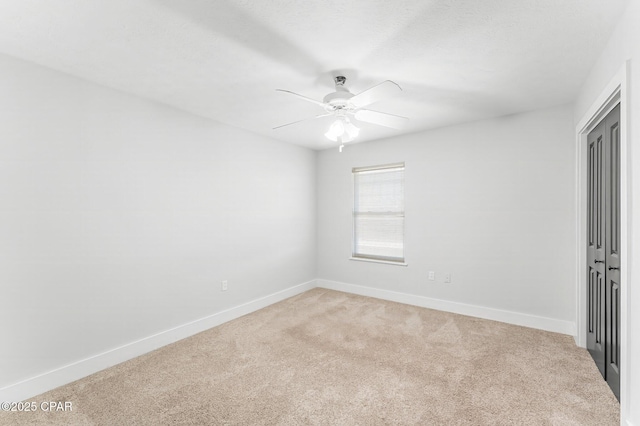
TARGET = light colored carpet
x,y
326,357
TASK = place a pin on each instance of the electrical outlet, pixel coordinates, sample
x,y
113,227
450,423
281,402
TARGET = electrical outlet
x,y
447,277
224,286
432,275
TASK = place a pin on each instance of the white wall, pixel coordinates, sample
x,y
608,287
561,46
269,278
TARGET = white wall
x,y
624,45
119,217
492,202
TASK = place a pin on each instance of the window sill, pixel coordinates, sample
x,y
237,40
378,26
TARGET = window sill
x,y
387,262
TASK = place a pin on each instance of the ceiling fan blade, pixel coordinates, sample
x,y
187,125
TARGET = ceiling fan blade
x,y
304,119
381,118
322,104
383,90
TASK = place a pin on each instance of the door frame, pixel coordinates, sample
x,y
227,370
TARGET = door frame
x,y
615,92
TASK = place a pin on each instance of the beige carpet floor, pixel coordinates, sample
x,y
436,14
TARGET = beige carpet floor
x,y
326,357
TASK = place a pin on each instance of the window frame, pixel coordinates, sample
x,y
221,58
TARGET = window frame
x,y
374,258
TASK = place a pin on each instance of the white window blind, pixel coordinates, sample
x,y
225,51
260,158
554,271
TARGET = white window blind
x,y
378,213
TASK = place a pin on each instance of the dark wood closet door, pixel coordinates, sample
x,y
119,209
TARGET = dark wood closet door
x,y
603,248
612,250
596,293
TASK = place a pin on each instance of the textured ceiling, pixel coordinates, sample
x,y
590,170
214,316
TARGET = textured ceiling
x,y
456,61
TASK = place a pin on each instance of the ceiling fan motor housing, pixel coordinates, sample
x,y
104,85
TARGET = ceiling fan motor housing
x,y
339,98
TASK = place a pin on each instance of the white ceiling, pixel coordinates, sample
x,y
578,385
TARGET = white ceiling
x,y
456,61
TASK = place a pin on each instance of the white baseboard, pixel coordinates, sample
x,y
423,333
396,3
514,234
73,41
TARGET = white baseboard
x,y
516,318
77,370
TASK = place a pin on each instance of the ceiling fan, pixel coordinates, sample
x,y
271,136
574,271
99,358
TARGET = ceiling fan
x,y
342,104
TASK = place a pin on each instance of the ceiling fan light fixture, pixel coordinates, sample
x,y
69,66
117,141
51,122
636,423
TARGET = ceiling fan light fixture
x,y
342,129
351,130
342,103
335,131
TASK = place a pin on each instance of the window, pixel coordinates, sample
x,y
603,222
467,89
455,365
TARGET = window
x,y
378,213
